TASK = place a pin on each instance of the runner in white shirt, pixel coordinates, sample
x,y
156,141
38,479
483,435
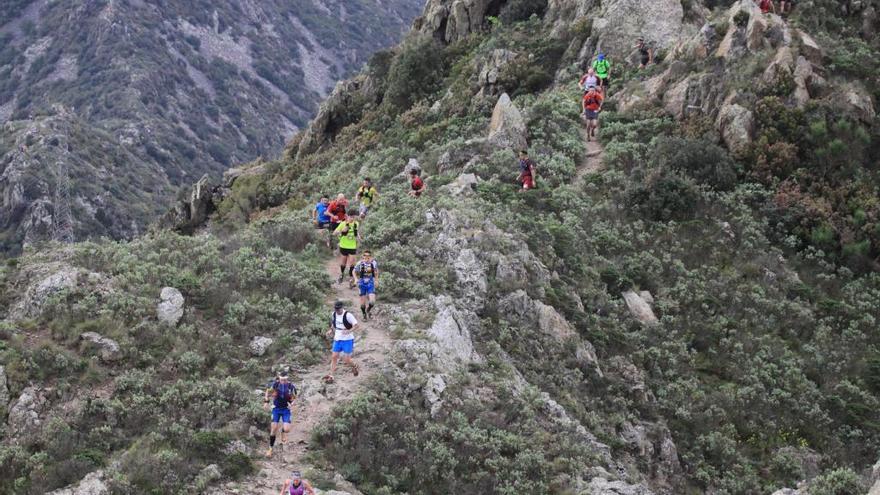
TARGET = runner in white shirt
x,y
342,327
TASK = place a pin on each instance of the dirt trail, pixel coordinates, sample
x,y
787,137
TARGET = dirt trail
x,y
592,161
316,399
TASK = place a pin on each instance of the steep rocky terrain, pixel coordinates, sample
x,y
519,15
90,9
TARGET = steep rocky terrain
x,y
152,95
687,307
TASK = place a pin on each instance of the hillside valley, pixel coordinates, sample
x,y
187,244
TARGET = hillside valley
x,y
149,96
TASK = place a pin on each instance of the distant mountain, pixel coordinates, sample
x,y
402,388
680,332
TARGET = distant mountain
x,y
147,96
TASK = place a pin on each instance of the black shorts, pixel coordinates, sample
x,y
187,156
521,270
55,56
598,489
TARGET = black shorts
x,y
333,226
645,59
347,252
322,225
604,83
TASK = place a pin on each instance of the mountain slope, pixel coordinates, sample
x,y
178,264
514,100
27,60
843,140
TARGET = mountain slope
x,y
186,88
675,321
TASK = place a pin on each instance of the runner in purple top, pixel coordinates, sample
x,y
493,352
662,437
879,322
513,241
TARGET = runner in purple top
x,y
297,485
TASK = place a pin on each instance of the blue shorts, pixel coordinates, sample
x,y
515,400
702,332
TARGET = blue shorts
x,y
367,286
281,415
591,114
343,346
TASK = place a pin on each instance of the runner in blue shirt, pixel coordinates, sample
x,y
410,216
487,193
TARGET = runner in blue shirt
x,y
320,217
280,393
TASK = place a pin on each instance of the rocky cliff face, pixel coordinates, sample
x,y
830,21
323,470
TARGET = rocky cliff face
x,y
176,90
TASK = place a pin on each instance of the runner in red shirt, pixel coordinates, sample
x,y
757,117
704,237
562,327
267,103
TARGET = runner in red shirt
x,y
336,211
592,105
417,184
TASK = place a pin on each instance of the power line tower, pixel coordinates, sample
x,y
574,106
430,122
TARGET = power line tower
x,y
62,217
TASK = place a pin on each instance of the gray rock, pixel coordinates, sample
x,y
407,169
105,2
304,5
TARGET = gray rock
x,y
507,128
236,447
451,336
463,185
452,20
341,108
4,389
647,297
107,348
810,49
190,213
855,100
433,392
411,165
602,486
491,67
791,491
736,124
24,415
170,308
92,484
34,298
782,62
803,77
259,345
639,308
622,21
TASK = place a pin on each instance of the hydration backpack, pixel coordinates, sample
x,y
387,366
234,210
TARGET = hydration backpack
x,y
345,322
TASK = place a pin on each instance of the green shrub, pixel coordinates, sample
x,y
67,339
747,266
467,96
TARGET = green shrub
x,y
664,196
705,162
416,72
841,481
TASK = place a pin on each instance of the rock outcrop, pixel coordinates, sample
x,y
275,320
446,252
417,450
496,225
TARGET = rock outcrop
x,y
26,410
507,128
92,484
622,21
107,349
490,70
736,125
452,20
343,107
259,345
463,185
640,308
31,302
192,211
170,307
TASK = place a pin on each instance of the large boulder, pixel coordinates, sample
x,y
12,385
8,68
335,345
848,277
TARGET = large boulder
x,y
639,307
170,308
463,185
24,415
450,333
92,484
259,345
603,486
853,99
621,22
507,128
736,125
32,300
107,349
810,49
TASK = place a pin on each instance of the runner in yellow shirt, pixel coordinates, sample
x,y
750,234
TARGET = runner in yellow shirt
x,y
367,194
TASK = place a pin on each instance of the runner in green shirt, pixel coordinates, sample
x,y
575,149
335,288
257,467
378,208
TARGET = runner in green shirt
x,y
348,243
603,71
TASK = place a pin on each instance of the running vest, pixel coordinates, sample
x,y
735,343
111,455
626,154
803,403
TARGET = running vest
x,y
366,270
602,67
348,240
298,490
